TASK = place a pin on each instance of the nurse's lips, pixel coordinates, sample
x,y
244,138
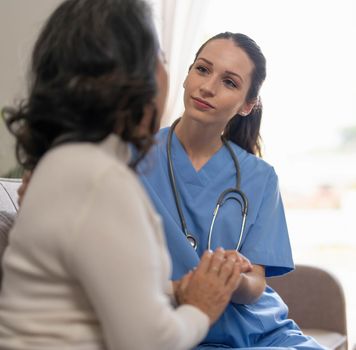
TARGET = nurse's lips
x,y
202,104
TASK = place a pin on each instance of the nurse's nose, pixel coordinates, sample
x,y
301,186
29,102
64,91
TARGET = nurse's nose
x,y
209,87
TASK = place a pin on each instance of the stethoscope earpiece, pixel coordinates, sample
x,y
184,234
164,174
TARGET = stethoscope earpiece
x,y
223,198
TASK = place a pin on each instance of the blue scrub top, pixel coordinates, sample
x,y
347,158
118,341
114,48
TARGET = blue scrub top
x,y
265,240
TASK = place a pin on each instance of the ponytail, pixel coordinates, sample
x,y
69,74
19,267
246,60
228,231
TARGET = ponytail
x,y
245,131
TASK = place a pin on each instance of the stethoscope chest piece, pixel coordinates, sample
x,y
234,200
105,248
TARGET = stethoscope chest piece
x,y
193,242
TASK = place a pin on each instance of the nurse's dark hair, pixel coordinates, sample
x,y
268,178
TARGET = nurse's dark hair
x,y
93,72
245,130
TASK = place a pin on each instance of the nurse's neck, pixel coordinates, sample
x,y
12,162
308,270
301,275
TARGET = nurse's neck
x,y
200,140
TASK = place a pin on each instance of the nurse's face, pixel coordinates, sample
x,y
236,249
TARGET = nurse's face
x,y
217,83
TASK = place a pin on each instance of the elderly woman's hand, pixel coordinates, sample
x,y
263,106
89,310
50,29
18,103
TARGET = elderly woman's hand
x,y
210,286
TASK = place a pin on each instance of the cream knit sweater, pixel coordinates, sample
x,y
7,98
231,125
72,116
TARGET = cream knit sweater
x,y
87,266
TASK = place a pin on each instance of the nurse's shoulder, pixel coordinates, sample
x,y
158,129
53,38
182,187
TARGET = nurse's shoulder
x,y
252,166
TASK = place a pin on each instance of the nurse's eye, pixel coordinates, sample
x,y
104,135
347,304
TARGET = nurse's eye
x,y
230,83
202,69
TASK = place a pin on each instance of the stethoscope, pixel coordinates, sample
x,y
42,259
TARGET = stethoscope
x,y
224,196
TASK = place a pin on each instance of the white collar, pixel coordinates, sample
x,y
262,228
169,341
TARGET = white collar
x,y
114,145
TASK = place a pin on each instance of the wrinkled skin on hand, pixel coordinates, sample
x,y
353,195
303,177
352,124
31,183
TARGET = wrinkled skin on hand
x,y
210,286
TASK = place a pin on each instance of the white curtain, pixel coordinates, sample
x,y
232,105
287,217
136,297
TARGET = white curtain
x,y
180,26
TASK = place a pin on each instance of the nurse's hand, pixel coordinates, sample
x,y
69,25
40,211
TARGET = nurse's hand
x,y
252,282
210,286
245,263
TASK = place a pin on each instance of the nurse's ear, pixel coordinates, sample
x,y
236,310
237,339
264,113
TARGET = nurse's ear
x,y
247,108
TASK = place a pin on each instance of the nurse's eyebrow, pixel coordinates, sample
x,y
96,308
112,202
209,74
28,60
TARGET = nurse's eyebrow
x,y
227,71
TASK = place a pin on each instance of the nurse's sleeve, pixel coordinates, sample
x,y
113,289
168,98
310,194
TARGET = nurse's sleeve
x,y
121,263
267,241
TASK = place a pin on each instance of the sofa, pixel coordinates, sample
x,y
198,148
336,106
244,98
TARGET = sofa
x,y
316,302
307,291
8,194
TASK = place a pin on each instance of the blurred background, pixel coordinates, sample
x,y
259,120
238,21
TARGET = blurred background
x,y
309,125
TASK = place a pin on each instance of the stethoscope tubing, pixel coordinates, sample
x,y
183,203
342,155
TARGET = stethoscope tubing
x,y
221,200
244,209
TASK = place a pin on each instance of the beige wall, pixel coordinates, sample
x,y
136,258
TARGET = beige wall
x,y
20,21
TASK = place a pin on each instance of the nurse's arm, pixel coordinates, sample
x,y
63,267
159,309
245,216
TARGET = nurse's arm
x,y
251,286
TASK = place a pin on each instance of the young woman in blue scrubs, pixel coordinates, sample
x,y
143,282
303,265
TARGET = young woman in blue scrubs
x,y
191,166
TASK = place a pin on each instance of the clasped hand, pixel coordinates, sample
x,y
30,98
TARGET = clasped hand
x,y
211,284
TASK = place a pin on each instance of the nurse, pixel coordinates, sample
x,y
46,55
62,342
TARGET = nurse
x,y
193,163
